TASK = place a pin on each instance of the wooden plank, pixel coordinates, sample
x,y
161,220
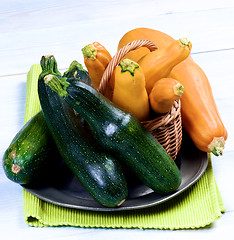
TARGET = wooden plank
x,y
24,42
92,10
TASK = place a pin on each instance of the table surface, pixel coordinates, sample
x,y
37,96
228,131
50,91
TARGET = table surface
x,y
30,29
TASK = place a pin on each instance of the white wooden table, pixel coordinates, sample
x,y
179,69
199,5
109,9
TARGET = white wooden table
x,y
30,29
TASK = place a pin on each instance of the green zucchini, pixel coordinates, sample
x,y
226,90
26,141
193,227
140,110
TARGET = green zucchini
x,y
99,173
32,155
122,134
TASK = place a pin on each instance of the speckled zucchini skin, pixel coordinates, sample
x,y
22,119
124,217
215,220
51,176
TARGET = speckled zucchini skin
x,y
99,173
121,133
31,153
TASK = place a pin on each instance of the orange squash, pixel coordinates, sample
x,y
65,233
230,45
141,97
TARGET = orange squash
x,y
160,39
164,93
159,63
200,115
96,59
129,89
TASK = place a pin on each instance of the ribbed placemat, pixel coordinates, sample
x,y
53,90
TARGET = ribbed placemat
x,y
197,207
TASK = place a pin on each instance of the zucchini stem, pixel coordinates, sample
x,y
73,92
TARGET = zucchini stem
x,y
128,65
59,85
74,65
217,146
49,65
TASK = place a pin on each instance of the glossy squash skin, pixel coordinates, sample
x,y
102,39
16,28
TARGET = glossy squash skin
x,y
208,131
99,172
96,59
160,39
129,90
200,115
159,63
120,133
32,157
164,93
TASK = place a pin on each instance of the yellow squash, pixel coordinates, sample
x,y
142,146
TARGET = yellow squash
x,y
129,89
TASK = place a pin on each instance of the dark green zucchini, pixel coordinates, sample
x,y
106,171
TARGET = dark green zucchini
x,y
32,155
99,173
121,133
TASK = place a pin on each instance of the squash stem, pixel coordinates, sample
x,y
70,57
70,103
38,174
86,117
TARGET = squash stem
x,y
217,146
185,42
59,85
128,65
178,89
89,51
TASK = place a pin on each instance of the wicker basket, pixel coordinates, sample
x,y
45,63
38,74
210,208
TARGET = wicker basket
x,y
167,128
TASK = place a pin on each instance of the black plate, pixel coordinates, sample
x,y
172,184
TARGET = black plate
x,y
67,191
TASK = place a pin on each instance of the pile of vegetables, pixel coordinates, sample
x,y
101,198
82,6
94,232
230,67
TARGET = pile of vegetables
x,y
144,84
200,115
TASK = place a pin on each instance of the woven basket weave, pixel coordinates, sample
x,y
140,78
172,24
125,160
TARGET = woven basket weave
x,y
167,128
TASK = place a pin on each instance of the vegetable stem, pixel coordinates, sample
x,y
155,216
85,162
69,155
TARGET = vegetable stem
x,y
49,65
128,65
178,89
73,66
185,42
217,146
59,85
89,51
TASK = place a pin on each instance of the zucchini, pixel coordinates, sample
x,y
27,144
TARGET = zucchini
x,y
122,134
32,154
99,173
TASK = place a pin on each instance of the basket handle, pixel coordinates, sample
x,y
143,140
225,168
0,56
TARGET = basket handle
x,y
119,55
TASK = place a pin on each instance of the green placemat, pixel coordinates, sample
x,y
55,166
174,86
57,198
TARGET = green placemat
x,y
197,207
